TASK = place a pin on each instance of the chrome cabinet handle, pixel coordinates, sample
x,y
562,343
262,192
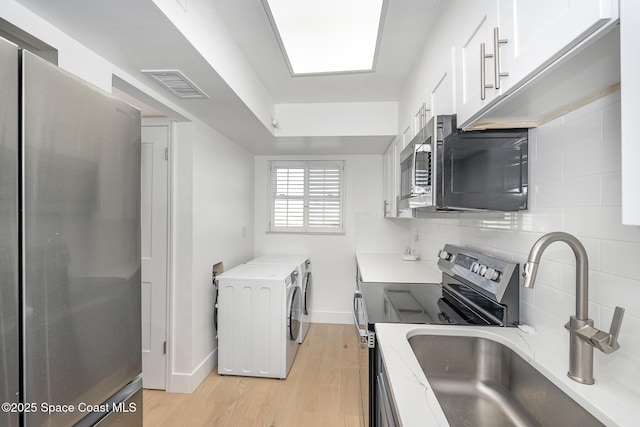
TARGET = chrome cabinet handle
x,y
483,72
497,41
424,115
421,117
385,210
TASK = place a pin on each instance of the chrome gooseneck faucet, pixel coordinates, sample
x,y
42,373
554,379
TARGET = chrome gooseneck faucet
x,y
583,336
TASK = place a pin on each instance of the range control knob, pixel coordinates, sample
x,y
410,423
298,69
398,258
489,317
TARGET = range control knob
x,y
492,274
475,267
482,270
444,255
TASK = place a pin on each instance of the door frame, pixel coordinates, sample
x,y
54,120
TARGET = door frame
x,y
169,115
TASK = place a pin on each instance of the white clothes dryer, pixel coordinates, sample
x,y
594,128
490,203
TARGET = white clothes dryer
x,y
303,266
258,320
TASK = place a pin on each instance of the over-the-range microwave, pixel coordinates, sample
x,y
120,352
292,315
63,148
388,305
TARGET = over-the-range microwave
x,y
445,168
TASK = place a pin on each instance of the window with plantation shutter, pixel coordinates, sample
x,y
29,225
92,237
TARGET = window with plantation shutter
x,y
307,197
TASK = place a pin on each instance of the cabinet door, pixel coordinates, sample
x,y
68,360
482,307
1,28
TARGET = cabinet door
x,y
442,92
388,182
474,73
407,135
404,213
538,32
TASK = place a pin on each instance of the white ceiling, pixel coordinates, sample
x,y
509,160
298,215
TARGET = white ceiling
x,y
135,35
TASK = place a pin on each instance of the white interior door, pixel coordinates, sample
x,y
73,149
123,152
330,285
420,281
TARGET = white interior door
x,y
154,254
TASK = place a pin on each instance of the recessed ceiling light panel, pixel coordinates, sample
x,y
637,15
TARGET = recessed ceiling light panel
x,y
176,83
327,36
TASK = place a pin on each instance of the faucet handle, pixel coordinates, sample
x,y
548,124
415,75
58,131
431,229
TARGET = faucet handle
x,y
608,343
614,331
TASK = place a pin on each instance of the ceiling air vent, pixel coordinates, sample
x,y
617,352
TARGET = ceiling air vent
x,y
176,83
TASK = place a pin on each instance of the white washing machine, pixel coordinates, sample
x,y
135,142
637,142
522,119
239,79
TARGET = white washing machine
x,y
258,320
303,266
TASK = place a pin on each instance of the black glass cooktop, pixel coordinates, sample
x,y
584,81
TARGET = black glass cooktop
x,y
401,303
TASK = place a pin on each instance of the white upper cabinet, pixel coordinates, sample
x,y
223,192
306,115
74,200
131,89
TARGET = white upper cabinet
x,y
539,32
522,63
521,39
391,180
407,135
442,88
397,212
388,174
474,55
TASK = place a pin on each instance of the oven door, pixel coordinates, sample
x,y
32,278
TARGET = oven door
x,y
484,170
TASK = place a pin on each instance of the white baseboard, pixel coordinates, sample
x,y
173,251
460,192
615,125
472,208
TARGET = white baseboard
x,y
187,383
336,317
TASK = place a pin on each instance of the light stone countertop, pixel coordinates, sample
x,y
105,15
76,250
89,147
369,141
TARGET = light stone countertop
x,y
612,403
391,268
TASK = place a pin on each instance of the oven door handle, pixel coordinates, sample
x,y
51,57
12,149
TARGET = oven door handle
x,y
362,333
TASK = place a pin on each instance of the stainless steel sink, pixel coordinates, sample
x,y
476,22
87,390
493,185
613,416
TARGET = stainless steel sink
x,y
479,382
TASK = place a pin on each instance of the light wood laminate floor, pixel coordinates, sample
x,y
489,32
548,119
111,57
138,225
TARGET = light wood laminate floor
x,y
322,389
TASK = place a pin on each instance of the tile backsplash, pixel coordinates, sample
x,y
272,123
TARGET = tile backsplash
x,y
574,186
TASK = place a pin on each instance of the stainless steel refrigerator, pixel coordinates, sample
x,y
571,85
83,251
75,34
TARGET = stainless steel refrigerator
x,y
70,298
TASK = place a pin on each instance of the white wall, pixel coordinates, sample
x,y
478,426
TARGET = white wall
x,y
72,55
332,256
181,296
574,187
213,217
336,119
